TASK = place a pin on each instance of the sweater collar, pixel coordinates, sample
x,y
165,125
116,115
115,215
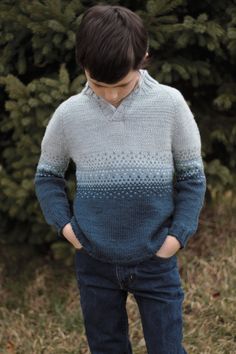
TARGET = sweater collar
x,y
109,111
87,90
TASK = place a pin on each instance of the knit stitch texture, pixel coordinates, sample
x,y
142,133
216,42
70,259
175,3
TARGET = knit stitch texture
x,y
139,171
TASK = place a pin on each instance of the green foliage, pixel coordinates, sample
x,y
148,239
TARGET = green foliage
x,y
63,251
28,109
36,34
192,46
193,49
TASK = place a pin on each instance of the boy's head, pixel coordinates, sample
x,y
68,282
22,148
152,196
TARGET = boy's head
x,y
111,43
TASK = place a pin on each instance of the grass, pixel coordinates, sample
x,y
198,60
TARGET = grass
x,y
40,309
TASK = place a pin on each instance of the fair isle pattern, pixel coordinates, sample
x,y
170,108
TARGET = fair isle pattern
x,y
124,174
126,159
132,175
140,174
46,169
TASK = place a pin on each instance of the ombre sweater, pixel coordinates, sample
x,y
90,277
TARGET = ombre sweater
x,y
139,171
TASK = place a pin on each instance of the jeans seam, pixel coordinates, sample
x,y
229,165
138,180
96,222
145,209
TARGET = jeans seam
x,y
119,280
124,325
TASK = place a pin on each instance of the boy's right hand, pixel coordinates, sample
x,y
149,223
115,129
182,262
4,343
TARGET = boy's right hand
x,y
70,236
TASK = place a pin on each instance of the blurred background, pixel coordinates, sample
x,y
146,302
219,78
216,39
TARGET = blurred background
x,y
193,48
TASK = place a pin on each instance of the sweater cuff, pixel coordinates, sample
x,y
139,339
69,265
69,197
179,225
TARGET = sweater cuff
x,y
181,233
60,227
59,233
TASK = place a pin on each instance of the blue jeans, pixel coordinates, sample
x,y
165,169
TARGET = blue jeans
x,y
156,286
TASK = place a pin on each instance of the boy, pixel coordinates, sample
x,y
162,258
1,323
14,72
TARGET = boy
x,y
127,134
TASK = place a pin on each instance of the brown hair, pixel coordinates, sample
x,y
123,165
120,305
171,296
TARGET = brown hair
x,y
110,41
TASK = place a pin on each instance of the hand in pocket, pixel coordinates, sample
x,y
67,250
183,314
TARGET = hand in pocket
x,y
69,234
170,246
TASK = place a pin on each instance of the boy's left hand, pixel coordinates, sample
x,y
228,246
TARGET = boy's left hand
x,y
170,246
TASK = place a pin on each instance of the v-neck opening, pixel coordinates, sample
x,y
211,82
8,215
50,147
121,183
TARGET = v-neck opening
x,y
109,111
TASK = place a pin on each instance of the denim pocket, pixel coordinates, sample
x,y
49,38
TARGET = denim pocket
x,y
81,249
155,257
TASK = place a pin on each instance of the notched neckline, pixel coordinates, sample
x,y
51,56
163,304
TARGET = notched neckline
x,y
109,111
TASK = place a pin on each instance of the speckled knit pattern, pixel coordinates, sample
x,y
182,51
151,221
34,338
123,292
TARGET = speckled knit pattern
x,y
139,171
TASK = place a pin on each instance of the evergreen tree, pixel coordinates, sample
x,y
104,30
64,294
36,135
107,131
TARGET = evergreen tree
x,y
192,46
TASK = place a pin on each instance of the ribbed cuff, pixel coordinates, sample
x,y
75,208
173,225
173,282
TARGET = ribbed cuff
x,y
181,233
60,226
59,233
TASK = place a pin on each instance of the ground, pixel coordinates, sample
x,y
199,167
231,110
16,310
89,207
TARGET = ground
x,y
40,310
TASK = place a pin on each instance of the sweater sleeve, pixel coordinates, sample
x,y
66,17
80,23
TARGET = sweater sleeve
x,y
49,181
190,179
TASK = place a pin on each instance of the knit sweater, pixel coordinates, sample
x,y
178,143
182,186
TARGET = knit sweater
x,y
139,171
